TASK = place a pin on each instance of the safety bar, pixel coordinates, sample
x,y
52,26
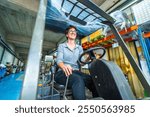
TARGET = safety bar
x,y
29,90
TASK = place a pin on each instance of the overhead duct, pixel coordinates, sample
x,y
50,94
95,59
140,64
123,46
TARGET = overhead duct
x,y
115,6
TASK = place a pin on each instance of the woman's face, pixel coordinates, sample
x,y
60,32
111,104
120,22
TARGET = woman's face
x,y
72,34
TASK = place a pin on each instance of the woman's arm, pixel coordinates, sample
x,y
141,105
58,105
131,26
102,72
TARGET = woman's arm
x,y
66,68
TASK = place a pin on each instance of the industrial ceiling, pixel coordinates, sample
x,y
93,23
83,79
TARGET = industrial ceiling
x,y
17,18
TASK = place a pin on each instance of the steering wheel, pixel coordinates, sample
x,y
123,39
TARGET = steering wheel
x,y
91,55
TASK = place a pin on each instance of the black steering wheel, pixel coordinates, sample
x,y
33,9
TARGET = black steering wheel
x,y
91,55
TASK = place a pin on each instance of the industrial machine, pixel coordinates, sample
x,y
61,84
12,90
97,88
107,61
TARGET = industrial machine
x,y
108,78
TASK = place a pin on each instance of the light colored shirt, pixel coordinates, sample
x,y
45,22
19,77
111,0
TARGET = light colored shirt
x,y
68,56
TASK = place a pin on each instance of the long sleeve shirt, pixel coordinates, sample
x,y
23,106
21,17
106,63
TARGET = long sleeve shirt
x,y
69,56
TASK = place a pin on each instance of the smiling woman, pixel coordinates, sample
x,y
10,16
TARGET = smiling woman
x,y
67,60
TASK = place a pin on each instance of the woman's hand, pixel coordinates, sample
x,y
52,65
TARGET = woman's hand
x,y
67,70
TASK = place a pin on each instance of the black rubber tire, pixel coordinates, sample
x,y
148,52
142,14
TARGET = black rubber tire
x,y
110,82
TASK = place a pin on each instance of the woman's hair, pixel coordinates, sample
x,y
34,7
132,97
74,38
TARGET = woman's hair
x,y
68,28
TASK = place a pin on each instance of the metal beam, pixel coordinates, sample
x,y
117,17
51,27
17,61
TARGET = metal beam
x,y
19,44
22,50
29,90
25,41
29,7
26,51
127,3
96,9
115,6
119,2
4,44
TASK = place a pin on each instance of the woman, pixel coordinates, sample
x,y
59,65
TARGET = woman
x,y
67,57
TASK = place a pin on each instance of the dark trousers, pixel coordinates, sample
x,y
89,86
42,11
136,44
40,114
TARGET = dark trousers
x,y
77,82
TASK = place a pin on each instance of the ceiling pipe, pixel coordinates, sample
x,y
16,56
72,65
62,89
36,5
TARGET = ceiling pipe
x,y
125,5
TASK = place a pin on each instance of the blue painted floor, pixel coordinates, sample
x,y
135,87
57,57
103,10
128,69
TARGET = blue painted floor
x,y
10,86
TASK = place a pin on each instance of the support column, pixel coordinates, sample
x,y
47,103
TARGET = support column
x,y
144,48
29,90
